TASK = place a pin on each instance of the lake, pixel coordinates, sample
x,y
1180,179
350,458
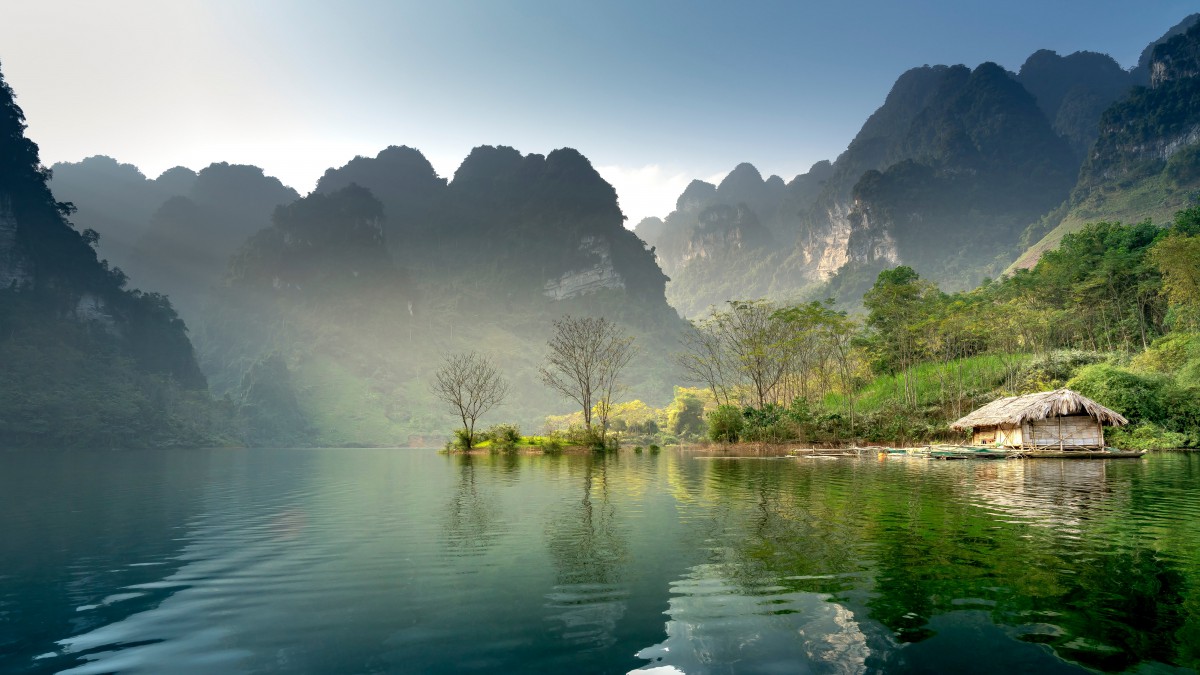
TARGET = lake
x,y
378,561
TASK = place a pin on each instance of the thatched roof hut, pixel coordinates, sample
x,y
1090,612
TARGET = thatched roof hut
x,y
1059,419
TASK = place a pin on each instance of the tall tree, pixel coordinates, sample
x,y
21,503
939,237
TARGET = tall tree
x,y
705,360
756,338
897,302
1177,257
471,384
584,363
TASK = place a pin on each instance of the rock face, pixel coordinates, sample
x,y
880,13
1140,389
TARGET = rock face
x,y
1074,90
724,228
1145,163
92,308
14,266
1176,59
602,275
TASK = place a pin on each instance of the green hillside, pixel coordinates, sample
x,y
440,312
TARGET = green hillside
x,y
1145,164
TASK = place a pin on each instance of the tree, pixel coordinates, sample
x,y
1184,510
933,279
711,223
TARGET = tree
x,y
585,362
755,337
471,385
1178,259
705,359
685,415
897,303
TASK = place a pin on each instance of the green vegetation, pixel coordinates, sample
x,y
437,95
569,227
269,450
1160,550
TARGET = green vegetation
x,y
1110,313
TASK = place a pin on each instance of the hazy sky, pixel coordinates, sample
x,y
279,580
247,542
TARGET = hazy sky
x,y
655,93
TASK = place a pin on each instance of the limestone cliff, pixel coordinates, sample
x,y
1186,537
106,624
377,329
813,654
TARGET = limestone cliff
x,y
597,277
724,228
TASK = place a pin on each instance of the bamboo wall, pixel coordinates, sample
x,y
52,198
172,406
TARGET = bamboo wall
x,y
1071,432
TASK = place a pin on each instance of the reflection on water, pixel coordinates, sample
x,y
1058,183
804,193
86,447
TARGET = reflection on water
x,y
589,553
471,514
334,561
715,626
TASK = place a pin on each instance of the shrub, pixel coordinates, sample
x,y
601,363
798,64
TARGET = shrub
x,y
1138,397
462,440
1054,369
799,414
1144,436
504,436
582,437
1162,413
768,424
552,446
725,424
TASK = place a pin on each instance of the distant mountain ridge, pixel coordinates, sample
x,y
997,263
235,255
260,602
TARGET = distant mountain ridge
x,y
327,313
174,233
947,175
1145,162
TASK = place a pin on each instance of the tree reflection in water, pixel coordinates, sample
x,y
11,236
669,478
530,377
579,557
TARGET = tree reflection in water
x,y
589,552
472,516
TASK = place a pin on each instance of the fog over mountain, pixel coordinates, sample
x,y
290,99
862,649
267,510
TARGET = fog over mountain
x,y
319,317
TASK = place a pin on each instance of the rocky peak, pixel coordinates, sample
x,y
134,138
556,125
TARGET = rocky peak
x,y
649,229
697,195
743,176
177,180
395,167
1177,58
1141,73
1051,78
485,163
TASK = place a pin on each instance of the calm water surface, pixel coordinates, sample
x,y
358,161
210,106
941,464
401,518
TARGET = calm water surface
x,y
376,561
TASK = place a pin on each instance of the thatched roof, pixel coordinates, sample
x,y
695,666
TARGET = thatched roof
x,y
1016,410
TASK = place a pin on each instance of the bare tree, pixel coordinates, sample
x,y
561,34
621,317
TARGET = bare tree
x,y
585,362
705,359
756,338
471,385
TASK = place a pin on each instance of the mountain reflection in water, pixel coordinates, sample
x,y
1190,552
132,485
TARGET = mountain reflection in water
x,y
408,561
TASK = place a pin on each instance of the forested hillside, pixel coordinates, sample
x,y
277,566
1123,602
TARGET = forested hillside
x,y
84,362
1145,162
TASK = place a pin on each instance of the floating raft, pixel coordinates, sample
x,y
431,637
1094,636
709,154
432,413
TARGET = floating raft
x,y
969,452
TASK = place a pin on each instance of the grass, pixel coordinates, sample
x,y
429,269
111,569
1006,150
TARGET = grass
x,y
972,376
526,442
1156,197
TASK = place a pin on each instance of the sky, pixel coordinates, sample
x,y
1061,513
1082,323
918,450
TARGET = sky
x,y
654,92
